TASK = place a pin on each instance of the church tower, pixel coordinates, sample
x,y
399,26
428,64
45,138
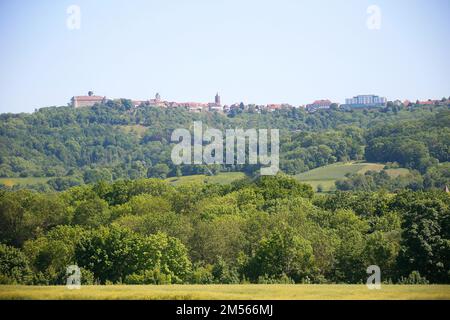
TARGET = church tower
x,y
217,99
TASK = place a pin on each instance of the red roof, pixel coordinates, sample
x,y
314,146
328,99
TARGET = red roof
x,y
322,102
88,98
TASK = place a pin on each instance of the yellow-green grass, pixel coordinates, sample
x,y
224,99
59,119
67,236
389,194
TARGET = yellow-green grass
x,y
397,172
326,176
326,185
10,182
229,292
221,178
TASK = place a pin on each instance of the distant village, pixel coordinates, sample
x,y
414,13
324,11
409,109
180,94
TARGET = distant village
x,y
357,102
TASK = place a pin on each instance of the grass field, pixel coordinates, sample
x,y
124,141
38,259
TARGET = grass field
x,y
230,292
324,176
327,175
221,178
9,182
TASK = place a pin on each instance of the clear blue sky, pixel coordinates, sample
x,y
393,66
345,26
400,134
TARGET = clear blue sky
x,y
253,51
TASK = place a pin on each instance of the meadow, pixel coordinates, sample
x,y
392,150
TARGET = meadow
x,y
326,176
323,176
220,178
10,182
228,292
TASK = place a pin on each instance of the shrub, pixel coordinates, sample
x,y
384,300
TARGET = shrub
x,y
14,267
149,277
413,278
202,275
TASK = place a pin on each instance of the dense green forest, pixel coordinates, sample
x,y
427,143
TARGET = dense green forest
x,y
115,141
267,230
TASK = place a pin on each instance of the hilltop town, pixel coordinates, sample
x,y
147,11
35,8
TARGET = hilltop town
x,y
357,102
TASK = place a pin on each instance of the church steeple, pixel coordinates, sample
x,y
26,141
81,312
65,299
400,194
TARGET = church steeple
x,y
217,99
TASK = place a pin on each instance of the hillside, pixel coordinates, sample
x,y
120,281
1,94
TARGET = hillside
x,y
57,148
325,177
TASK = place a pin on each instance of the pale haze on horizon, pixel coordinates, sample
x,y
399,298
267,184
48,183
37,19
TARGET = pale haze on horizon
x,y
262,52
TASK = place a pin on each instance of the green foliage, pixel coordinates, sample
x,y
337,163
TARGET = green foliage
x,y
223,273
413,278
52,253
426,239
282,253
113,253
70,146
93,213
202,275
265,230
14,267
149,277
414,144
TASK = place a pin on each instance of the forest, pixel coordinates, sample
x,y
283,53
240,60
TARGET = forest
x,y
265,230
66,147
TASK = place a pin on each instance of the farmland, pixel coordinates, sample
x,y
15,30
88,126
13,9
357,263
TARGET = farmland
x,y
229,292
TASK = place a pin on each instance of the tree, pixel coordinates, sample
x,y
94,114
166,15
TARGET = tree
x,y
52,253
14,266
167,254
282,186
426,239
93,213
113,253
349,265
382,249
282,253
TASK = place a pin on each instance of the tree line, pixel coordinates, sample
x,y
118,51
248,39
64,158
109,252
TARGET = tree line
x,y
260,230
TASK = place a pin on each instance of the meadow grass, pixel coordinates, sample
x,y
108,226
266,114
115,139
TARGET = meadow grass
x,y
9,182
221,178
228,292
326,176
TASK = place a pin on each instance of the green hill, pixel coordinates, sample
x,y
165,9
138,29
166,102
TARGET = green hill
x,y
327,175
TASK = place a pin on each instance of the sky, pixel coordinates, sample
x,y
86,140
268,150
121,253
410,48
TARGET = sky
x,y
255,51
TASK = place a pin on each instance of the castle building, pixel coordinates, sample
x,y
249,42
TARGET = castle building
x,y
86,101
319,104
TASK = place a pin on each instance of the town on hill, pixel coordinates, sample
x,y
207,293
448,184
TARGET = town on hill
x,y
357,102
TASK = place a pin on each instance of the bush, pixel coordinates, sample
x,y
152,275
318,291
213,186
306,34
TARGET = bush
x,y
413,278
149,277
223,274
14,267
283,279
87,277
202,275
